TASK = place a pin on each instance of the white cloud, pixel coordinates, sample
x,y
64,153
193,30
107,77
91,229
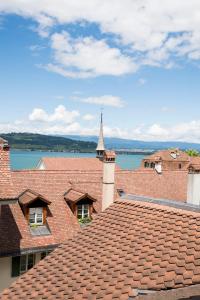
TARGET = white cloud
x,y
157,131
188,131
107,100
87,57
60,114
88,117
151,33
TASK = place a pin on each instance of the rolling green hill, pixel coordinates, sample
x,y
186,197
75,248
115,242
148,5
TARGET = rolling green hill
x,y
30,141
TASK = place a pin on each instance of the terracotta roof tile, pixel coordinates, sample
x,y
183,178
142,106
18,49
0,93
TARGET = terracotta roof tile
x,y
167,155
73,164
106,261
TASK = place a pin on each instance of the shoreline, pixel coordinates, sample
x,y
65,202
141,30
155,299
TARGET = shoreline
x,y
118,151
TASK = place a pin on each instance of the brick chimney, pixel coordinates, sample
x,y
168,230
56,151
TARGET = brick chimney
x,y
108,178
7,192
4,159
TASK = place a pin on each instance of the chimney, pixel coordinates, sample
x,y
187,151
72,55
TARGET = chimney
x,y
193,186
7,192
4,159
108,178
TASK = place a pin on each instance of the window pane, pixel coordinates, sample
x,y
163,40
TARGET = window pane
x,y
36,215
79,212
22,264
15,266
31,261
32,218
86,211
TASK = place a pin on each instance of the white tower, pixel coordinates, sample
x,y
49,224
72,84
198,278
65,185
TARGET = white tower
x,y
100,146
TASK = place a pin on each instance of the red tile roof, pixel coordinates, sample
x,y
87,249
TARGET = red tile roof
x,y
168,185
133,245
73,195
73,164
28,196
167,155
52,185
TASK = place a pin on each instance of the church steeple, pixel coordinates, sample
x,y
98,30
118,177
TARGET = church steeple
x,y
100,147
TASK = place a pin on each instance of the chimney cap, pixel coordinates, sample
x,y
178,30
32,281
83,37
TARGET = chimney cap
x,y
109,155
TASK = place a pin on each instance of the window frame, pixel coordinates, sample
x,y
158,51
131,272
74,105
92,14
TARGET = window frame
x,y
16,262
36,216
83,215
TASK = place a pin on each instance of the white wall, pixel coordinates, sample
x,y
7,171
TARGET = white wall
x,y
108,184
193,190
5,271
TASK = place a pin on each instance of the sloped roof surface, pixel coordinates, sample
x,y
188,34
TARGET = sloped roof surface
x,y
131,245
167,155
73,195
73,164
28,196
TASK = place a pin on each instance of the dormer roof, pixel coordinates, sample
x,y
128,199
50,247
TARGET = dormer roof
x,y
29,196
75,196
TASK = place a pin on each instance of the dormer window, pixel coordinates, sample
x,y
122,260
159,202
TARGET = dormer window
x,y
81,204
83,211
35,209
36,215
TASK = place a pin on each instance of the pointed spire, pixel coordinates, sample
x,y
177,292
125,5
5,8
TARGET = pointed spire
x,y
100,146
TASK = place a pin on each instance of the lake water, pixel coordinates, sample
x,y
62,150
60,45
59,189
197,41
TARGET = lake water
x,y
30,159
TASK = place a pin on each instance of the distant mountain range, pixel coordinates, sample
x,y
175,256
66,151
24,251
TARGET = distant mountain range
x,y
117,143
41,142
77,143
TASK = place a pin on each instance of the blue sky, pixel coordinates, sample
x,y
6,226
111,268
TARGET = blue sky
x,y
60,63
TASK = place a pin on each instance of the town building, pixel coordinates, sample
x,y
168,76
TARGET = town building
x,y
166,160
41,208
44,207
136,249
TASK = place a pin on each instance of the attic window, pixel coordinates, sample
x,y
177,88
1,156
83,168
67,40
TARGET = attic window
x,y
146,164
36,215
83,211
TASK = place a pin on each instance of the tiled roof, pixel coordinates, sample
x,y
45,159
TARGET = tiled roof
x,y
73,195
194,163
167,155
133,245
73,164
28,196
168,185
52,185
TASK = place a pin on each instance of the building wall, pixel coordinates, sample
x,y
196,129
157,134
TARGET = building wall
x,y
5,271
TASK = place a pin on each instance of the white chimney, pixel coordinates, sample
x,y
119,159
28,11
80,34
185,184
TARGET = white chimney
x,y
193,186
108,178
